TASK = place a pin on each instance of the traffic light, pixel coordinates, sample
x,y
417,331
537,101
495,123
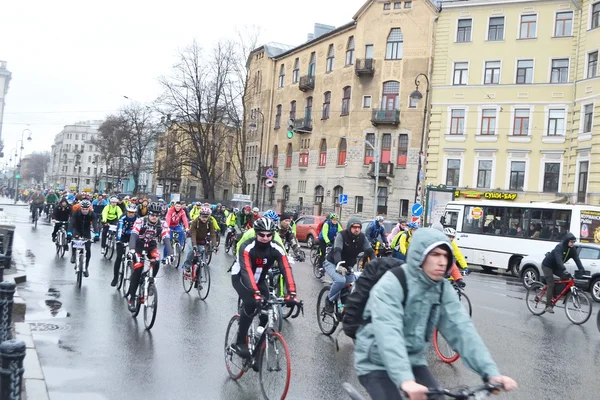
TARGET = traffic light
x,y
290,129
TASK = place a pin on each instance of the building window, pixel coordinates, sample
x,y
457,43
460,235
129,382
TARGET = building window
x,y
312,64
319,194
595,22
358,204
366,102
342,152
461,73
288,156
560,71
517,175
278,117
346,100
293,109
592,64
588,116
369,152
452,172
395,41
350,51
582,181
326,105
397,5
275,156
386,148
528,26
551,174
521,122
457,121
463,31
402,150
330,59
382,198
408,4
556,122
492,72
323,153
303,160
496,29
308,111
524,71
488,122
387,6
563,26
484,174
403,207
281,75
296,70
391,90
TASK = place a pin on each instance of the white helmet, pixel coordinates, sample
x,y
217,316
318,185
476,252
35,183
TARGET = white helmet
x,y
114,199
450,231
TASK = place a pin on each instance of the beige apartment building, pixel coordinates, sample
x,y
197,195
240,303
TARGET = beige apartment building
x,y
345,96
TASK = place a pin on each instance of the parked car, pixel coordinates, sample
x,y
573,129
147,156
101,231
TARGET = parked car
x,y
388,225
589,254
306,228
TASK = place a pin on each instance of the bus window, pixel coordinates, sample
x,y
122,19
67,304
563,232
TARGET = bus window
x,y
450,219
495,222
470,224
548,224
517,220
562,223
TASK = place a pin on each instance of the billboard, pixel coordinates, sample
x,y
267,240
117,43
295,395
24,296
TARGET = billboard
x,y
590,227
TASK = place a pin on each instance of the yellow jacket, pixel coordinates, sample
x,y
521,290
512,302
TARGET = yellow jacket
x,y
195,212
460,259
401,241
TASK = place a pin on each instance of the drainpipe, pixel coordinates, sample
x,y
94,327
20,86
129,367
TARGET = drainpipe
x,y
574,132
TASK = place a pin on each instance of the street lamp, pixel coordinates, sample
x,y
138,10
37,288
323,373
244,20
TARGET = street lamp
x,y
417,96
17,176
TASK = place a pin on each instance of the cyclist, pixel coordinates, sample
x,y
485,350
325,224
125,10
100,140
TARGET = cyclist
x,y
459,258
195,211
230,222
243,222
123,235
402,240
175,218
201,231
142,209
219,216
145,234
51,198
60,217
80,225
255,214
37,203
400,227
110,216
288,235
554,264
251,233
391,348
98,205
376,230
253,261
327,235
163,207
346,248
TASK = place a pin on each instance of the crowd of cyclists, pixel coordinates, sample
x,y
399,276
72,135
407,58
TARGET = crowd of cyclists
x,y
261,240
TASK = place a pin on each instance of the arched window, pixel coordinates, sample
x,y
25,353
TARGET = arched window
x,y
341,152
286,193
288,156
293,109
350,51
281,75
296,70
330,58
336,194
369,152
395,43
391,92
319,194
386,147
312,64
275,156
402,150
323,153
346,100
326,105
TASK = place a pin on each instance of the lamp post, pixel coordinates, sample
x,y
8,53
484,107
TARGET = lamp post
x,y
19,165
417,95
260,151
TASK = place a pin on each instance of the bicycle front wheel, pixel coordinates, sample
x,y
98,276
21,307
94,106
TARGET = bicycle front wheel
x,y
466,302
327,321
578,307
186,278
127,271
535,298
598,321
233,362
121,274
203,278
275,367
150,307
443,349
110,247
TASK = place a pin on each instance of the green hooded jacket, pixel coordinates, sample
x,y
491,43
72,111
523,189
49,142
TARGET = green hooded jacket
x,y
396,339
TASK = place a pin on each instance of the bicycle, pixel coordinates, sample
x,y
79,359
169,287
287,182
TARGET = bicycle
x,y
574,298
60,241
199,273
230,239
147,293
442,348
177,250
49,212
34,216
80,257
338,306
460,394
318,269
122,269
268,350
111,240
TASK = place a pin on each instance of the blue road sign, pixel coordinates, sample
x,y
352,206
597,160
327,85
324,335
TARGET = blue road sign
x,y
270,173
421,175
417,210
343,199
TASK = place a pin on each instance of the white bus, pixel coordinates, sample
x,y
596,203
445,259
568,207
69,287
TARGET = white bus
x,y
498,234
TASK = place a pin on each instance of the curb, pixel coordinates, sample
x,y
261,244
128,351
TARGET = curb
x,y
34,382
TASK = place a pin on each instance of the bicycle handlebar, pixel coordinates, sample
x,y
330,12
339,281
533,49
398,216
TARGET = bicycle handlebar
x,y
466,393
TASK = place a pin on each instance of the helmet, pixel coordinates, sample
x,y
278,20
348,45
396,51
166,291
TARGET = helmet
x,y
154,208
413,225
85,204
131,208
271,215
161,201
379,218
333,216
450,231
205,211
247,208
114,199
236,210
255,209
126,197
264,224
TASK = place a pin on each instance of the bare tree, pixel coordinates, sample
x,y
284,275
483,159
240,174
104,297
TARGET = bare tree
x,y
37,166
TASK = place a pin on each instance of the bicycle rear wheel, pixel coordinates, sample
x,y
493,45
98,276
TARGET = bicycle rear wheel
x,y
227,243
150,306
233,362
443,349
535,298
598,321
318,271
578,307
275,367
209,254
203,278
327,321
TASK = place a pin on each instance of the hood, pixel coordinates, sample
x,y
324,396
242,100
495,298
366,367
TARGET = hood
x,y
423,241
352,221
568,237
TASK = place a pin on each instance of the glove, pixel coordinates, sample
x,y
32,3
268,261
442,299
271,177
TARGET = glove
x,y
290,299
340,269
461,283
465,271
258,298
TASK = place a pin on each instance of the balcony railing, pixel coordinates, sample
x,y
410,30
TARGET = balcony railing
x,y
263,171
364,66
303,124
385,117
386,170
307,83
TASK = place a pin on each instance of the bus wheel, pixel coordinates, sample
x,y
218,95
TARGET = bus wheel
x,y
515,266
488,270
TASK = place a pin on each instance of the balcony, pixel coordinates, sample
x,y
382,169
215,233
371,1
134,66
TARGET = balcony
x,y
307,83
386,170
263,171
303,125
364,66
385,117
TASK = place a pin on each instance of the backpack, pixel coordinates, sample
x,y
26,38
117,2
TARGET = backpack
x,y
357,300
320,226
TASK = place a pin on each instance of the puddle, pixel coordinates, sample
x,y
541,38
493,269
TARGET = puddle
x,y
62,345
54,306
53,293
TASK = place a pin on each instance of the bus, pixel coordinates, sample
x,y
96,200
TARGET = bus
x,y
498,234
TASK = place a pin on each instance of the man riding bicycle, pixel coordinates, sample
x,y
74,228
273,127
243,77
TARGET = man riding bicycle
x,y
81,223
391,347
330,229
401,241
123,235
60,217
37,203
248,274
376,231
243,222
51,199
175,218
460,259
110,216
201,231
287,234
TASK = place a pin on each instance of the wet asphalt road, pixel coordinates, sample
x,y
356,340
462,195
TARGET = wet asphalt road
x,y
91,348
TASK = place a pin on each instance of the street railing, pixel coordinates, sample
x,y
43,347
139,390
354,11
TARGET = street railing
x,y
12,351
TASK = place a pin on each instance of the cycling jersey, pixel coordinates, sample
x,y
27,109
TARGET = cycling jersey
x,y
111,213
175,218
329,231
230,219
144,230
251,234
124,228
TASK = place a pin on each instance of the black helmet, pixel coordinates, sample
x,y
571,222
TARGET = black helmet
x,y
85,204
154,208
264,224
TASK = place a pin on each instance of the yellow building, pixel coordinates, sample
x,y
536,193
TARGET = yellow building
x,y
346,93
509,96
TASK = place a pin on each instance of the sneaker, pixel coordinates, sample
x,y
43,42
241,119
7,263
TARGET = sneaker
x,y
113,283
549,309
241,349
72,258
328,306
131,304
86,273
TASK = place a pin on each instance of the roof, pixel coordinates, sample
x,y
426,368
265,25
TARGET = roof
x,y
317,39
273,49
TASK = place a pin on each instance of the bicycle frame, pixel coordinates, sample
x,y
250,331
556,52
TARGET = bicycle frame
x,y
570,285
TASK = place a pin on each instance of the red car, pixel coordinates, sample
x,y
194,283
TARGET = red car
x,y
306,228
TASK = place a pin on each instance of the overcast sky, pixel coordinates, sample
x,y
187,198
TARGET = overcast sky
x,y
75,60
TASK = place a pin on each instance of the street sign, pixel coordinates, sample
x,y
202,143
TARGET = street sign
x,y
269,183
270,173
417,210
343,199
421,175
416,219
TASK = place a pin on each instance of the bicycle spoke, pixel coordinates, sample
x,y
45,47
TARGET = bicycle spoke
x,y
275,368
578,307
